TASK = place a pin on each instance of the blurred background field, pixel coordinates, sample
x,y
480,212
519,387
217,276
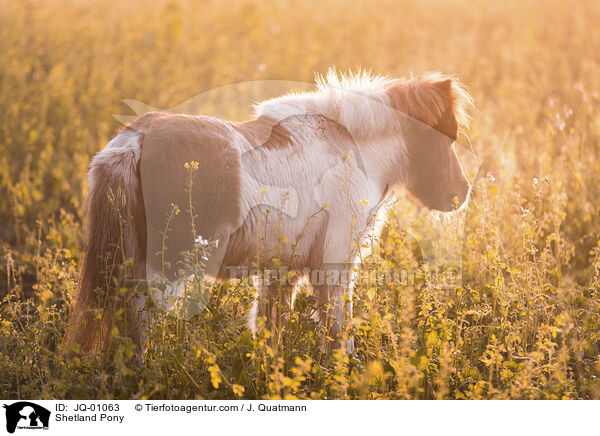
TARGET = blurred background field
x,y
524,324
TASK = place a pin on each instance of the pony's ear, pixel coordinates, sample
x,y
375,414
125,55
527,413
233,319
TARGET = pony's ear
x,y
444,86
434,99
447,123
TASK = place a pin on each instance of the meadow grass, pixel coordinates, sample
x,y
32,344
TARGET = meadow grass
x,y
523,323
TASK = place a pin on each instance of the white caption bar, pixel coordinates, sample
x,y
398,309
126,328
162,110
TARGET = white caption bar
x,y
280,418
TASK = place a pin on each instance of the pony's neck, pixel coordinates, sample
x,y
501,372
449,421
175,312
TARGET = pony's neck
x,y
385,161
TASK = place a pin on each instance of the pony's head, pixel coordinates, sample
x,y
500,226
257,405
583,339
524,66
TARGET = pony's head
x,y
434,108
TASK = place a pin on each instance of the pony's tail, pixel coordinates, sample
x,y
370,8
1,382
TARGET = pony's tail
x,y
115,243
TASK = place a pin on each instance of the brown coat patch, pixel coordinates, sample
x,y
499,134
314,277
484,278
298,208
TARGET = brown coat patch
x,y
215,194
266,132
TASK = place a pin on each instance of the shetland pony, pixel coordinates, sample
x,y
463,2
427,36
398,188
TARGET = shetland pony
x,y
335,153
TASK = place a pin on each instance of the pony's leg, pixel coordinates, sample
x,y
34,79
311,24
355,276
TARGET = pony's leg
x,y
334,302
273,305
332,281
138,318
137,311
277,307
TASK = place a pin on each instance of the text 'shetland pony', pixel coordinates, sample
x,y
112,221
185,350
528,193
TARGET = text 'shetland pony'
x,y
337,151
